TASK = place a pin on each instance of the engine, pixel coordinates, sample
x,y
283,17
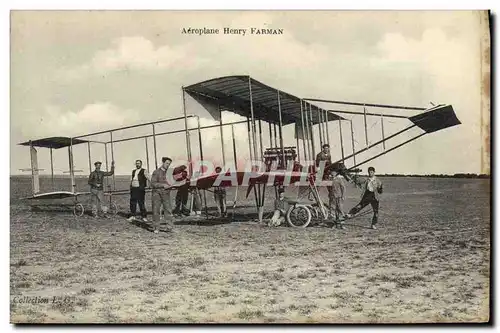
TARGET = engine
x,y
275,156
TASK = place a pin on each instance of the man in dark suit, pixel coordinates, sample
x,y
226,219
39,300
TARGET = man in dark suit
x,y
138,184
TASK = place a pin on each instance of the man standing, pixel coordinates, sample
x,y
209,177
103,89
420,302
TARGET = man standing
x,y
181,198
161,196
337,197
96,180
138,184
372,188
220,196
324,155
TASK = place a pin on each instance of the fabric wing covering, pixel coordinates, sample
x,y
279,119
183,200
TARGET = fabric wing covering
x,y
436,119
53,142
232,93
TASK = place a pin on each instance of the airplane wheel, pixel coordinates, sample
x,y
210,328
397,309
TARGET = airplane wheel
x,y
78,210
113,209
299,216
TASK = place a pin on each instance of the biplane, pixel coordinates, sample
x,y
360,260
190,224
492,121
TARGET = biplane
x,y
258,103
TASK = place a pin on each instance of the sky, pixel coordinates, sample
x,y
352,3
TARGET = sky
x,y
84,71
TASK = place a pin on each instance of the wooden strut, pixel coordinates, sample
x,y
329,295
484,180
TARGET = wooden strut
x,y
90,161
270,135
379,142
311,125
325,120
341,140
221,136
260,136
320,127
283,160
370,114
196,193
147,153
254,139
275,135
188,136
352,142
367,104
178,131
389,150
382,127
52,170
303,130
154,147
71,166
251,155
315,192
249,138
306,117
263,197
107,168
297,142
327,131
366,129
33,186
234,148
236,166
112,159
131,126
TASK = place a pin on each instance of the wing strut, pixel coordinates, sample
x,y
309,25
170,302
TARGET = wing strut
x,y
389,150
379,142
341,140
352,142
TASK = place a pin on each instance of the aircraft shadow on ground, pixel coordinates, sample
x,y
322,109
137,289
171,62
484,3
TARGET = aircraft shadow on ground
x,y
143,225
212,219
356,225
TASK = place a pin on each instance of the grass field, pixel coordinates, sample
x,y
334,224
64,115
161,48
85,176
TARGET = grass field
x,y
427,262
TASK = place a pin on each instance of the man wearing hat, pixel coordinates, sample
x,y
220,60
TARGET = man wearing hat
x,y
180,174
160,196
324,155
371,188
96,180
138,184
281,207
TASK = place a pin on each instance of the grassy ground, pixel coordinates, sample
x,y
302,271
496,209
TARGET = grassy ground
x,y
428,262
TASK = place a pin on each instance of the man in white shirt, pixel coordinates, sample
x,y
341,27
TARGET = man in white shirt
x,y
371,189
138,184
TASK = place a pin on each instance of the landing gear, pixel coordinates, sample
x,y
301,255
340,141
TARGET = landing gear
x,y
113,209
299,216
78,210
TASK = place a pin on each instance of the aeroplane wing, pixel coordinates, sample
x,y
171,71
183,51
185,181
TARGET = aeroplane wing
x,y
244,178
54,195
